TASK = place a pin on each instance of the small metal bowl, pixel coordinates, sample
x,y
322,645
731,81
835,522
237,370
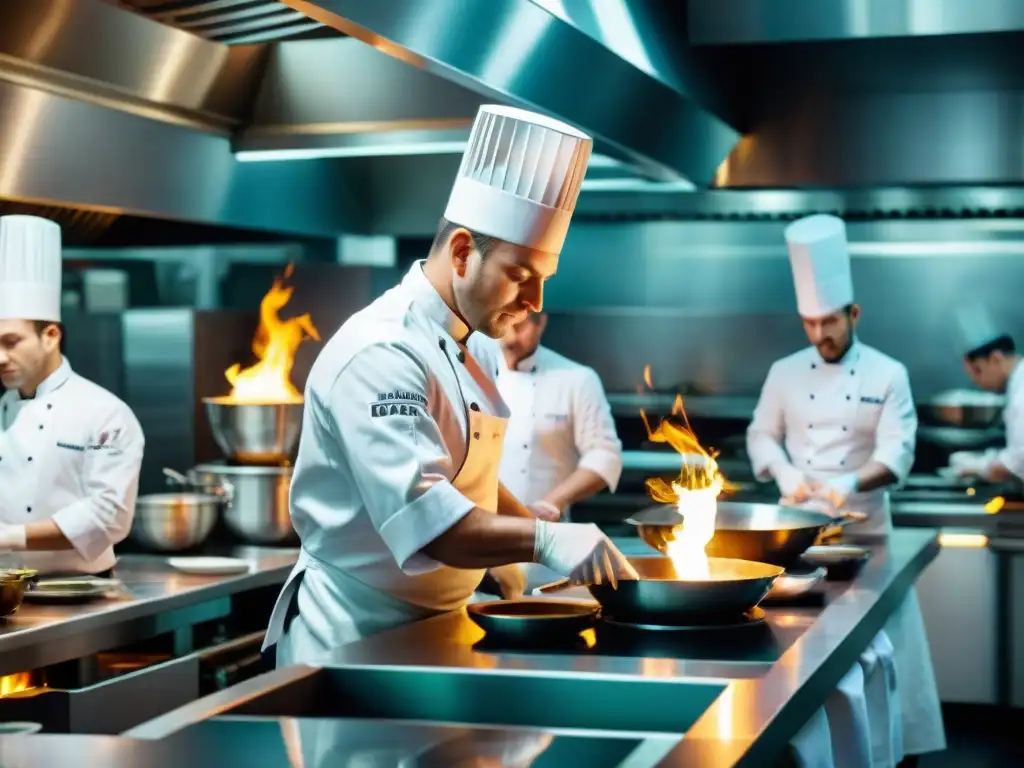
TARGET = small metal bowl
x,y
13,583
171,522
532,621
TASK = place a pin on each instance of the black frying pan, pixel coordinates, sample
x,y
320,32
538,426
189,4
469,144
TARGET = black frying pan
x,y
764,533
660,597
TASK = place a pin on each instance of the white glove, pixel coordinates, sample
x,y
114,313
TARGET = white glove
x,y
545,510
837,490
511,580
12,538
581,552
969,463
791,482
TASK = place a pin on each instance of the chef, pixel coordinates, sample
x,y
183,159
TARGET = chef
x,y
836,422
395,486
70,452
993,363
561,445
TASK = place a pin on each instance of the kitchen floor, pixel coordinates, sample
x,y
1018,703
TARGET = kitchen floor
x,y
979,737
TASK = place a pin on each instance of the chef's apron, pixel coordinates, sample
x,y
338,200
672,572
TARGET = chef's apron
x,y
350,610
919,709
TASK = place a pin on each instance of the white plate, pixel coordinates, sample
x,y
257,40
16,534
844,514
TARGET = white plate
x,y
209,566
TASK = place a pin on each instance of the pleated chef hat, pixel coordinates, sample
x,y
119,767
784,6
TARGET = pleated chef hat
x,y
520,178
30,268
820,261
976,328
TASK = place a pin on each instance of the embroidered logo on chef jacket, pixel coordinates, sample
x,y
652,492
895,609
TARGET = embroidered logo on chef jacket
x,y
398,404
557,417
873,400
70,447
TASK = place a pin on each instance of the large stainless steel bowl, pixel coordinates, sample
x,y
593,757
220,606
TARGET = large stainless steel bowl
x,y
255,433
964,408
256,499
171,522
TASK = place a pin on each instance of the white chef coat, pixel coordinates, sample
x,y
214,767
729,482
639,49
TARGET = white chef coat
x,y
72,454
401,438
560,421
1012,456
829,419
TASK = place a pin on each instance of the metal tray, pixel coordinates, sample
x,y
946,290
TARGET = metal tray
x,y
73,590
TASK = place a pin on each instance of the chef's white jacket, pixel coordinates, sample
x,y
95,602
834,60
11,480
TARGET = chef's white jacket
x,y
385,432
560,421
71,454
1012,456
829,419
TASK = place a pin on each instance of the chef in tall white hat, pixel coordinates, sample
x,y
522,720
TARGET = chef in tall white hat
x,y
992,361
395,493
836,423
70,451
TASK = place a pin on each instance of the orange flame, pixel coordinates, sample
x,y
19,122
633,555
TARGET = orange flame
x,y
695,492
275,344
16,683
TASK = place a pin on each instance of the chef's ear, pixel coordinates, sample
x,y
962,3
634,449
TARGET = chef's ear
x,y
853,312
460,248
51,334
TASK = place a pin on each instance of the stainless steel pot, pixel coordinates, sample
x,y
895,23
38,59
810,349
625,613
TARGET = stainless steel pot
x,y
255,433
171,522
256,497
964,408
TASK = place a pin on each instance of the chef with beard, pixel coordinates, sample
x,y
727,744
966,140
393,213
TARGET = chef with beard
x,y
395,493
836,423
70,451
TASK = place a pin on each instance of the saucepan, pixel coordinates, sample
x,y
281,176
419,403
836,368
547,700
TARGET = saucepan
x,y
763,533
660,597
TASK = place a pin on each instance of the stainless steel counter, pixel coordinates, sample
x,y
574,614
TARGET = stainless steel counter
x,y
737,703
275,742
155,598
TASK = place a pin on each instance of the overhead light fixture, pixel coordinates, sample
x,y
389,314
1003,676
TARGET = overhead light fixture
x,y
380,150
636,185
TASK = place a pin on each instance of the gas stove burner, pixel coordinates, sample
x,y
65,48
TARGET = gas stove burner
x,y
752,618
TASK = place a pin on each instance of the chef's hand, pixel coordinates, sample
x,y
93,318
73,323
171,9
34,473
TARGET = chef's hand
x,y
794,487
970,463
580,552
836,490
511,580
545,510
12,538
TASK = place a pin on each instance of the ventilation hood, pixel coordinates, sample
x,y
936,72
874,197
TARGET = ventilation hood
x,y
313,118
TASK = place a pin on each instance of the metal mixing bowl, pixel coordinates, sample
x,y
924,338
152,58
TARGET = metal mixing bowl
x,y
964,408
171,522
255,433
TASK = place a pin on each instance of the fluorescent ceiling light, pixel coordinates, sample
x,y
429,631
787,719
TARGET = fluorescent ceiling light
x,y
636,185
380,150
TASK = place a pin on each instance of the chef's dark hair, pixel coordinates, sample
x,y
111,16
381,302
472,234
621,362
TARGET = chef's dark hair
x,y
1003,344
42,325
483,243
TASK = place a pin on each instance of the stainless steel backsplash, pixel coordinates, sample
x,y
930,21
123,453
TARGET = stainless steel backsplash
x,y
711,304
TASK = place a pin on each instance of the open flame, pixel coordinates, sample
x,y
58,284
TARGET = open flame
x,y
16,683
276,341
695,492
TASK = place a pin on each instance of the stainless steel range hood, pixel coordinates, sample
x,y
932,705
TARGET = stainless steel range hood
x,y
223,112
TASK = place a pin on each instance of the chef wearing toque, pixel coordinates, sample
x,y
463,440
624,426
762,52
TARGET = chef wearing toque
x,y
395,494
836,423
561,446
70,452
994,364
